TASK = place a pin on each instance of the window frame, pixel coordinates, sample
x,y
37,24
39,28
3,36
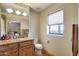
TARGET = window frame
x,y
59,24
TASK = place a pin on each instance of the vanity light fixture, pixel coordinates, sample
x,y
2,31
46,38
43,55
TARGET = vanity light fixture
x,y
24,14
18,12
9,10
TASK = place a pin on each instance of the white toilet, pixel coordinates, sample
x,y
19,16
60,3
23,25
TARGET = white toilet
x,y
38,47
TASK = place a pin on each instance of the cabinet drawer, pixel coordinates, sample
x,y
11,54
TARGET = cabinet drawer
x,y
25,43
8,47
9,53
13,46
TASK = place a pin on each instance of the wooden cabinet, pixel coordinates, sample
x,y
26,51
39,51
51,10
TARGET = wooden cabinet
x,y
25,43
27,51
24,48
9,50
9,53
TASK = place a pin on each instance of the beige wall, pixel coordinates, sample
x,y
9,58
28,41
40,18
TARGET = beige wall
x,y
59,45
34,24
2,26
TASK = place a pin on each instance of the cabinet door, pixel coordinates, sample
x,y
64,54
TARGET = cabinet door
x,y
14,53
27,51
9,53
9,50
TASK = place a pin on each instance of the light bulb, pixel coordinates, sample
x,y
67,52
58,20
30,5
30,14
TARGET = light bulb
x,y
9,10
24,14
18,12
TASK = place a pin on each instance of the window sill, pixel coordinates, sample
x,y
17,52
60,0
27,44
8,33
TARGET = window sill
x,y
55,35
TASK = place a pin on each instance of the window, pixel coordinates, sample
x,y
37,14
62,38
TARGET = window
x,y
55,23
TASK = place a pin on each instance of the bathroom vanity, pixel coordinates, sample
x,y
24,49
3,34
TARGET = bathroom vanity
x,y
17,47
13,23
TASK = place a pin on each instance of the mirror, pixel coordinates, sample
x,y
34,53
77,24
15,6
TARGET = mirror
x,y
14,18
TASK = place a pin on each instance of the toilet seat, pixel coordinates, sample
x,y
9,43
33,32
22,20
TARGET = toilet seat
x,y
38,46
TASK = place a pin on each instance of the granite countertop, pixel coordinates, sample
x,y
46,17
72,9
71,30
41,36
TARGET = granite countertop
x,y
9,41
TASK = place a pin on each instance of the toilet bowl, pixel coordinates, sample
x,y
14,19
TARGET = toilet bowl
x,y
38,47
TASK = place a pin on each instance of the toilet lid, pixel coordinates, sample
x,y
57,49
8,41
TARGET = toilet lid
x,y
38,46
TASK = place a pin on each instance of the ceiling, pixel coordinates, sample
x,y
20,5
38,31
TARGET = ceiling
x,y
38,7
13,6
